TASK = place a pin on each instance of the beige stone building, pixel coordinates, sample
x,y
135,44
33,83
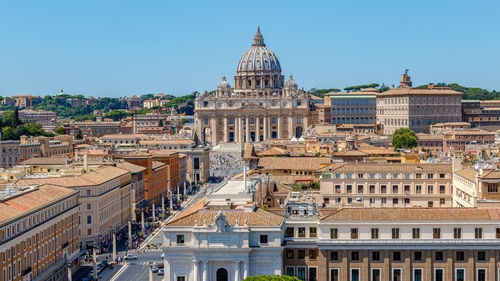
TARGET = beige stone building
x,y
473,188
261,105
104,199
416,108
394,244
387,185
38,232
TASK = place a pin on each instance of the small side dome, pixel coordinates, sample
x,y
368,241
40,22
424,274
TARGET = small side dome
x,y
224,85
290,83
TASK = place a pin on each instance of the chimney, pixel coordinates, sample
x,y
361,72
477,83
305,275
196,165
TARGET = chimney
x,y
85,162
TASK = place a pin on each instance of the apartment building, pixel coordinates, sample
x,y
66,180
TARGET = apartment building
x,y
38,232
104,199
458,139
483,114
9,153
46,118
416,108
473,188
440,128
138,186
387,185
23,101
447,244
94,128
156,178
353,108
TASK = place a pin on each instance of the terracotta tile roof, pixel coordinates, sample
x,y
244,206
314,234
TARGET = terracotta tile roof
x,y
469,132
392,167
413,214
124,136
92,178
162,152
258,217
490,174
130,167
158,164
173,141
32,200
249,152
467,173
137,154
273,151
293,163
418,91
349,153
46,161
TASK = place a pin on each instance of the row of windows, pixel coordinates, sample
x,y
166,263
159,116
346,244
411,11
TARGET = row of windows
x,y
371,101
357,120
375,234
35,219
397,273
395,189
388,175
416,233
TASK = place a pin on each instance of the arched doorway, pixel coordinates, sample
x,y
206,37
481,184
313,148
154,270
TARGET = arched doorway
x,y
298,132
222,274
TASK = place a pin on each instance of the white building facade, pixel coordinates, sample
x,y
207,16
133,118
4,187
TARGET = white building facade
x,y
227,245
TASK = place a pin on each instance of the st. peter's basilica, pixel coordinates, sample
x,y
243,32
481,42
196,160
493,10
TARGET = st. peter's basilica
x,y
261,105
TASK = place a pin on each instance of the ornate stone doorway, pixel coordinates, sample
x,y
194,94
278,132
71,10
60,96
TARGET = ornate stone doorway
x,y
222,275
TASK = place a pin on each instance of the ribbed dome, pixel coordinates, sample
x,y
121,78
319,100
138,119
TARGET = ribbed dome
x,y
259,57
224,84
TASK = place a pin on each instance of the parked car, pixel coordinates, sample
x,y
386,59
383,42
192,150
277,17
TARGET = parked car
x,y
160,272
130,257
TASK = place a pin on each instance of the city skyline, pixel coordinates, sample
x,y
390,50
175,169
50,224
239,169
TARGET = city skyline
x,y
122,50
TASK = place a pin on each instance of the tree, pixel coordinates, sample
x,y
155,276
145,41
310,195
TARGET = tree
x,y
404,138
60,130
79,134
271,278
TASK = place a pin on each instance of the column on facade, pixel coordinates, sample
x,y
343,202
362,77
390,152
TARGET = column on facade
x,y
226,136
291,132
245,269
247,130
213,130
236,266
205,270
236,129
257,129
265,133
196,270
280,133
241,129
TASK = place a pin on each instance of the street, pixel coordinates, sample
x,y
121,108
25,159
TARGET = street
x,y
138,269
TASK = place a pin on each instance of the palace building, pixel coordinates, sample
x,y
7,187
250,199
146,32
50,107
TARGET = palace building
x,y
261,105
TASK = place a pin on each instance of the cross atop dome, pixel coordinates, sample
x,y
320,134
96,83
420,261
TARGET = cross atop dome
x,y
258,39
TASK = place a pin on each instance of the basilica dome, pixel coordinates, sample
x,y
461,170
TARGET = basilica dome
x,y
259,57
224,85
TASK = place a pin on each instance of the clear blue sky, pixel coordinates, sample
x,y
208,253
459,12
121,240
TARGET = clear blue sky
x,y
121,48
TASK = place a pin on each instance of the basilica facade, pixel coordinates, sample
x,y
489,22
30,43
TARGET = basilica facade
x,y
261,105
